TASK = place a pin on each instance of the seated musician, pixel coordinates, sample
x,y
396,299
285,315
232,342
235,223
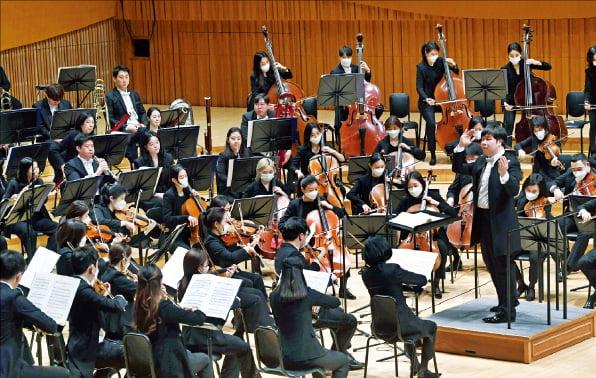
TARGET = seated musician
x,y
532,202
294,232
260,111
263,77
84,349
587,263
238,356
416,186
17,310
65,150
477,123
47,107
382,278
27,176
312,146
153,118
549,169
159,319
310,201
265,182
359,195
85,164
395,139
77,210
71,234
235,148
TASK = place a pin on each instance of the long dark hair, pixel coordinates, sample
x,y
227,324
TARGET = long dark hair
x,y
81,120
193,260
415,175
243,152
428,47
292,284
208,219
118,252
115,191
75,209
147,298
145,138
24,166
70,233
260,78
536,179
590,58
308,132
514,46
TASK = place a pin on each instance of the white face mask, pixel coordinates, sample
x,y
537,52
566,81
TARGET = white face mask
x,y
87,220
515,60
265,67
205,270
579,175
540,134
393,133
120,205
477,135
183,182
531,196
415,191
83,242
267,177
311,195
316,140
377,172
432,58
471,161
594,63
346,62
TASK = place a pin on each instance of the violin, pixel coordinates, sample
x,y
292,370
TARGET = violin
x,y
271,239
101,232
550,149
536,208
587,186
538,96
128,215
460,231
101,288
451,97
326,168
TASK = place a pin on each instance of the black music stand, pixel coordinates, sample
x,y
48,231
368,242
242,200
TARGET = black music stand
x,y
38,152
181,142
111,147
17,126
79,78
167,246
485,84
361,227
576,201
357,167
200,171
140,183
167,117
257,209
65,120
82,189
276,134
242,172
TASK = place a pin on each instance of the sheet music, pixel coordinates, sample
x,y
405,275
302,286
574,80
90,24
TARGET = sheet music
x,y
414,219
173,271
230,172
43,261
249,141
318,281
53,294
420,262
211,294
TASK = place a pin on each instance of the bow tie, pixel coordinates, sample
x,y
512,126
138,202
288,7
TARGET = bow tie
x,y
490,160
125,94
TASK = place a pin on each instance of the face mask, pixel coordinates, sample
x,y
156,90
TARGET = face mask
x,y
267,177
311,195
515,60
540,134
83,242
265,68
205,270
377,172
183,182
477,135
87,220
316,140
393,133
579,175
415,191
346,62
471,161
531,196
433,58
120,205
594,63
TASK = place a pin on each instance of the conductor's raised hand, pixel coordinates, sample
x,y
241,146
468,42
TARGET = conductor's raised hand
x,y
503,165
466,138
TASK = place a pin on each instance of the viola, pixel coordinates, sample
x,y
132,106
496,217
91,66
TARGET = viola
x,y
587,186
450,96
101,288
361,131
460,231
325,168
537,96
536,208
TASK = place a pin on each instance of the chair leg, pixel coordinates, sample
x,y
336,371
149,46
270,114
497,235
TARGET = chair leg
x,y
366,356
395,359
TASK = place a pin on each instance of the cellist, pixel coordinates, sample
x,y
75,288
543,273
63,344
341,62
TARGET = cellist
x,y
173,200
396,139
359,195
313,136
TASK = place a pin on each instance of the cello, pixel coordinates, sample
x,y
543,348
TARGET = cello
x,y
325,168
537,96
361,131
451,97
460,231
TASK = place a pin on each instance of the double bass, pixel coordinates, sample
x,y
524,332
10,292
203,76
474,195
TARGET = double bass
x,y
451,97
361,131
535,96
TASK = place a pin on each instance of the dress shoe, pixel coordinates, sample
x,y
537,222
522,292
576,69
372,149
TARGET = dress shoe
x,y
433,160
438,293
530,294
425,373
521,289
346,293
354,364
458,266
591,302
499,317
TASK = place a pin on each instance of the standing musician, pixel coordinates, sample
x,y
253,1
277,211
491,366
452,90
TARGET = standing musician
x,y
396,139
359,195
235,148
346,66
429,73
15,309
294,232
549,168
495,180
515,75
85,164
265,182
153,118
84,349
477,123
311,147
47,107
262,77
587,263
416,187
590,97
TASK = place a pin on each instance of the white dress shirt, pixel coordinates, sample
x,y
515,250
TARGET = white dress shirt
x,y
88,164
130,109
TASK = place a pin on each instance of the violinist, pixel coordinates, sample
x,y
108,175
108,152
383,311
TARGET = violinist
x,y
235,148
173,200
359,195
71,234
395,139
429,73
590,97
416,186
532,202
477,123
154,118
312,146
587,263
546,165
27,177
262,77
265,182
515,75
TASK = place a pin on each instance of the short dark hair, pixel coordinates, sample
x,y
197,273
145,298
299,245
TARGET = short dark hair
x,y
76,209
579,157
293,227
80,139
514,46
499,133
55,92
261,96
376,250
345,50
112,190
376,156
536,179
476,120
474,149
428,47
81,120
541,122
117,70
11,264
219,201
82,257
175,171
307,180
590,57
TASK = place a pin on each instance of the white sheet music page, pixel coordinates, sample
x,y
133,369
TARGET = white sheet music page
x,y
420,262
249,132
318,281
211,294
173,271
53,294
43,261
414,219
230,172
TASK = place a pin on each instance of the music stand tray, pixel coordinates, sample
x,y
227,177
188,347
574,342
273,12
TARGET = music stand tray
x,y
38,152
357,167
542,237
143,181
167,117
111,147
200,171
82,189
181,142
361,227
20,211
485,84
276,134
443,220
257,209
65,120
17,126
340,90
242,172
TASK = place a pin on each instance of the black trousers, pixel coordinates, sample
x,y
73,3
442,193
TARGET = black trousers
x,y
587,264
428,330
255,310
337,362
592,132
343,324
41,224
428,114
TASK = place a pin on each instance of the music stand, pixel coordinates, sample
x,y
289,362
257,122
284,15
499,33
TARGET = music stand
x,y
276,134
38,152
485,84
111,147
242,172
357,167
361,227
79,78
140,183
257,209
181,142
167,117
200,171
17,126
82,189
65,120
576,201
167,246
340,90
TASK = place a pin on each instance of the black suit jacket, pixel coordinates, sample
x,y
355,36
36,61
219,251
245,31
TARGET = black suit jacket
x,y
384,147
74,169
46,115
221,255
340,70
359,195
251,116
119,323
501,199
288,250
15,309
4,82
117,108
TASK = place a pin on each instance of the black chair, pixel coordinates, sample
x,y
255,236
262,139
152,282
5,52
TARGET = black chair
x,y
575,108
270,357
385,326
487,109
399,106
138,356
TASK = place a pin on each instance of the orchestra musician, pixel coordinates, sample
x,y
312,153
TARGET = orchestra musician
x,y
346,67
15,310
159,319
478,123
590,97
235,148
548,168
78,210
71,234
47,107
311,147
429,73
395,139
587,263
85,164
263,78
265,182
359,195
153,118
260,110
